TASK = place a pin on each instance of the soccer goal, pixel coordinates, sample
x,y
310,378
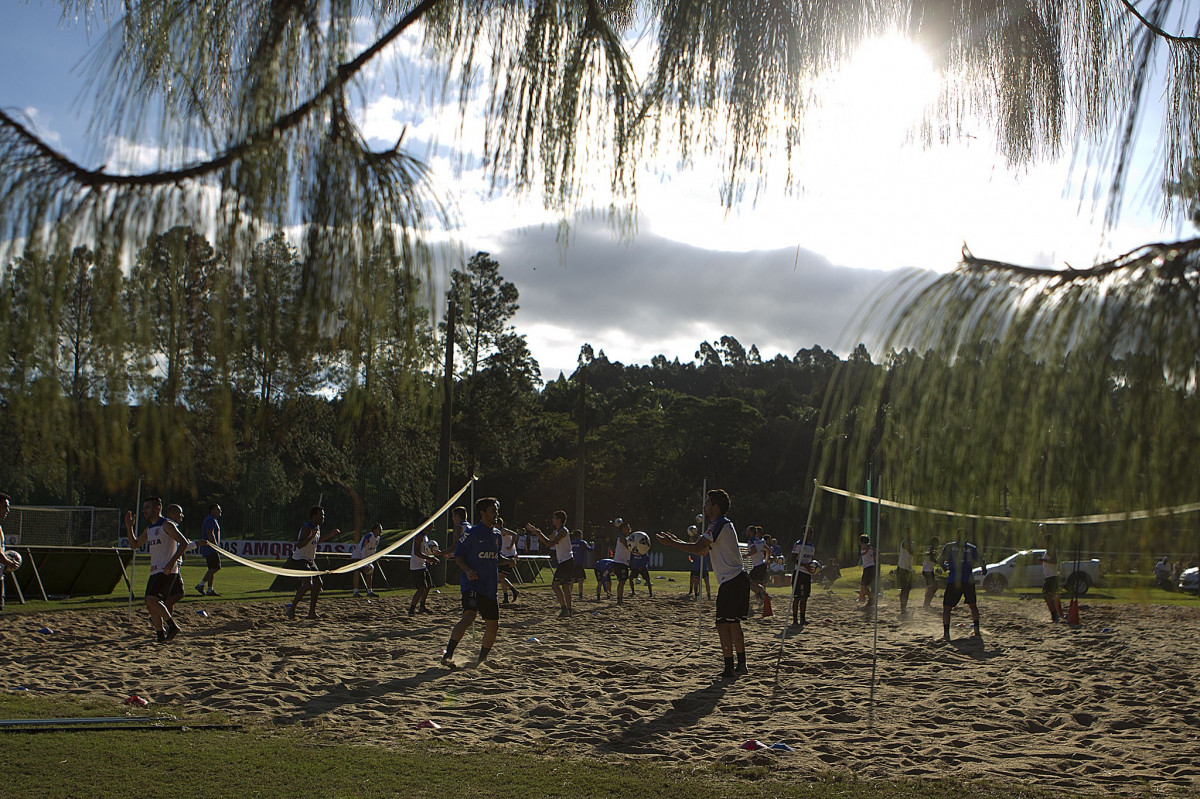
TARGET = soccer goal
x,y
65,526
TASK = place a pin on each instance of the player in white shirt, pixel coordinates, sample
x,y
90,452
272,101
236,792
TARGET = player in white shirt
x,y
733,593
509,554
304,558
803,553
365,548
564,573
904,571
423,554
866,586
166,545
757,550
929,567
1049,561
620,558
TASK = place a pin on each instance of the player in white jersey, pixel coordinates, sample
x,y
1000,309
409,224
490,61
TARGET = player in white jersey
x,y
620,558
304,558
929,567
757,551
1049,561
423,555
803,553
564,573
509,554
904,571
7,562
166,545
365,548
733,595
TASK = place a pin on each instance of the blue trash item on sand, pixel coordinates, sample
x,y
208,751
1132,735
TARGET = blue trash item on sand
x,y
46,631
781,747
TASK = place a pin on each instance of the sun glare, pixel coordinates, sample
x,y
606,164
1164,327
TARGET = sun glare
x,y
881,93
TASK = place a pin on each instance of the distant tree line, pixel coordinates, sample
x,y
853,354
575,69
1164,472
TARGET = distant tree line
x,y
247,384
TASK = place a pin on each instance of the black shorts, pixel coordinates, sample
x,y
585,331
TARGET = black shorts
x,y
621,571
930,580
421,578
486,606
164,586
305,566
868,576
565,572
643,573
505,567
580,573
903,579
758,573
1050,586
802,583
733,600
956,592
212,559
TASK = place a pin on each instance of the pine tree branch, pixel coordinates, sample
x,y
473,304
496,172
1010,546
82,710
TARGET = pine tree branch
x,y
1155,29
98,178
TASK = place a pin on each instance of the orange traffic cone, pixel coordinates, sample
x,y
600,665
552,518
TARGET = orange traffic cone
x,y
767,605
1073,612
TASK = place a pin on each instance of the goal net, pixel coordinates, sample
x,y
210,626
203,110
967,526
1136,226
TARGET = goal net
x,y
74,526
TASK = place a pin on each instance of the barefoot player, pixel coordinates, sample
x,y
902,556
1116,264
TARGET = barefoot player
x,y
477,555
166,546
733,593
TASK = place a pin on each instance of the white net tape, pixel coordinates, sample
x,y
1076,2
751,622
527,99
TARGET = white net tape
x,y
354,565
1099,518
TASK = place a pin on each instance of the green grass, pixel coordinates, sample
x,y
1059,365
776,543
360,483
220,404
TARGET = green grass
x,y
238,583
302,762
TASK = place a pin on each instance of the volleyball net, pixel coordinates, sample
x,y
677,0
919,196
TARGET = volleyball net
x,y
356,564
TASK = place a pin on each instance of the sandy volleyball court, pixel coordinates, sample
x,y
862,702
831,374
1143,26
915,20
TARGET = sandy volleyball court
x,y
1111,706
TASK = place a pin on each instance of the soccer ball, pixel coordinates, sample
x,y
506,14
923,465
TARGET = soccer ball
x,y
14,556
431,547
639,543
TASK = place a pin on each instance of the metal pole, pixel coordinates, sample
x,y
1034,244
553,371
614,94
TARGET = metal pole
x,y
699,608
875,599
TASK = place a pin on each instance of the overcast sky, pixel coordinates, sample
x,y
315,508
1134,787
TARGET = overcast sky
x,y
784,273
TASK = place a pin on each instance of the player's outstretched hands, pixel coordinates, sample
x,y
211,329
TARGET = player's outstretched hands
x,y
667,537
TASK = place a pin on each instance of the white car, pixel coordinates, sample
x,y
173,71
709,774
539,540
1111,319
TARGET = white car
x,y
1023,570
1190,580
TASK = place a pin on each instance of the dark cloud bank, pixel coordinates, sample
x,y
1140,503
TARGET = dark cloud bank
x,y
660,291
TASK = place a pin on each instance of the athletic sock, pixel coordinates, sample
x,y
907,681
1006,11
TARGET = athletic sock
x,y
483,653
450,647
977,628
728,664
946,630
741,658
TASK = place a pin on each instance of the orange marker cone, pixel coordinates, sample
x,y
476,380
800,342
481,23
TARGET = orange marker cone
x,y
1073,612
767,605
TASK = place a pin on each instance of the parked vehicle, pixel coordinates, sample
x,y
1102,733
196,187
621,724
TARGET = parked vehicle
x,y
1189,580
1023,570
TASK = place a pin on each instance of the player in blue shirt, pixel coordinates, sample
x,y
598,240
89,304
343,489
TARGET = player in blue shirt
x,y
579,553
639,566
604,571
210,537
478,557
959,559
